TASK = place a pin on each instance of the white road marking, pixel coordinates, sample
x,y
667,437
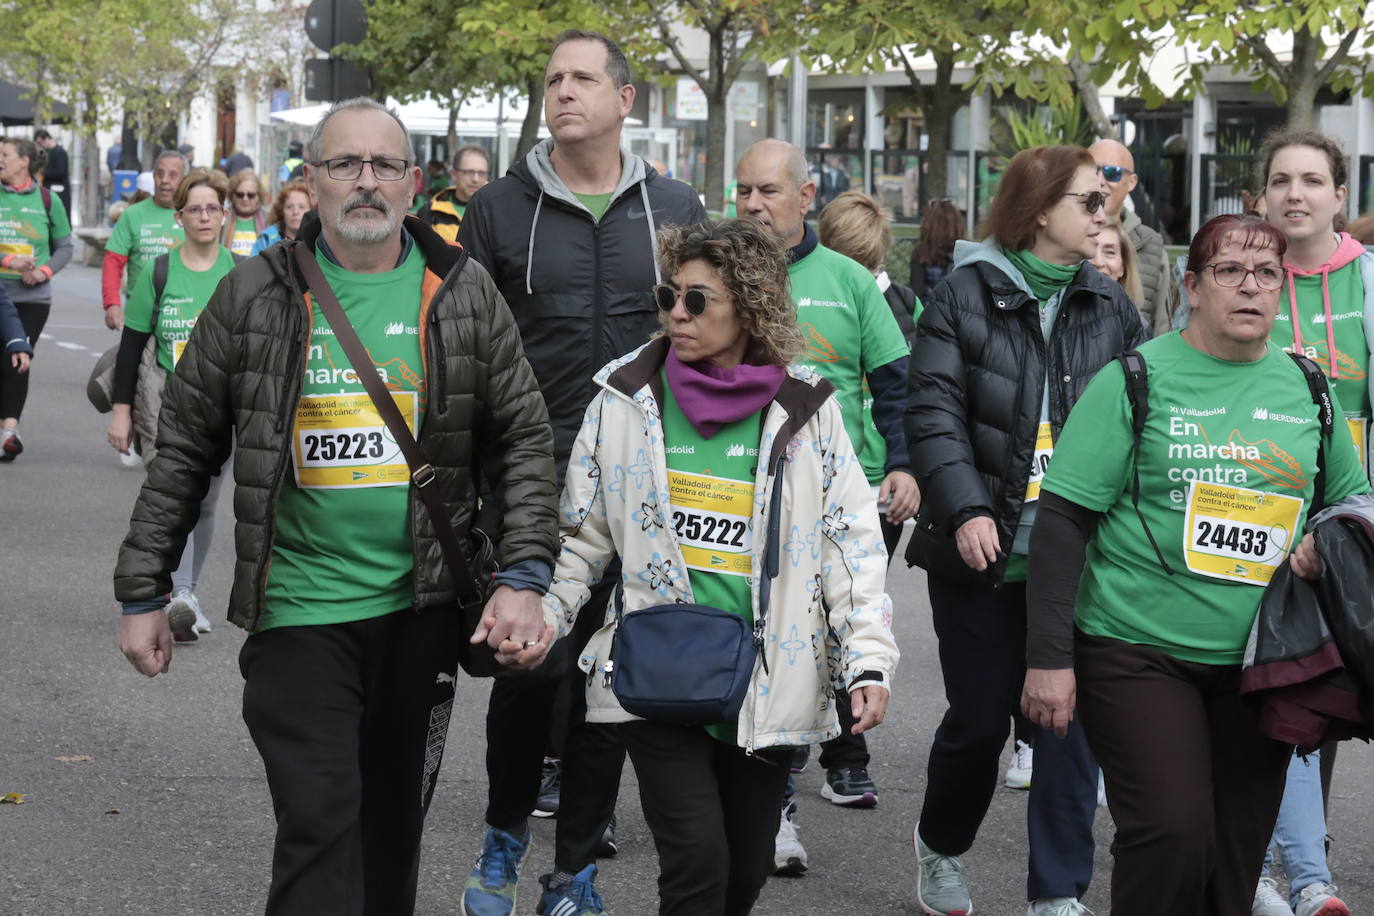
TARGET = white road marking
x,y
69,346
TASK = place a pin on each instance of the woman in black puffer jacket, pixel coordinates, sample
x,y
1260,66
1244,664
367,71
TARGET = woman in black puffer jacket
x,y
1006,344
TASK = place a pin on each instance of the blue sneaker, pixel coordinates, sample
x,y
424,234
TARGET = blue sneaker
x,y
576,898
490,888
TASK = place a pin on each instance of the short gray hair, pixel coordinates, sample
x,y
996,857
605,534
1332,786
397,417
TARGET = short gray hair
x,y
314,147
173,154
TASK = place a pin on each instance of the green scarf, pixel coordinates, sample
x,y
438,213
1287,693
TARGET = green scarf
x,y
1045,279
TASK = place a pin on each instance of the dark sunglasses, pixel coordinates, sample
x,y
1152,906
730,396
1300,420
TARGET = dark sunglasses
x,y
694,300
245,195
1114,173
1092,200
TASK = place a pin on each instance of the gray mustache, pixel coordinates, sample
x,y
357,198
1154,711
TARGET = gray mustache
x,y
367,199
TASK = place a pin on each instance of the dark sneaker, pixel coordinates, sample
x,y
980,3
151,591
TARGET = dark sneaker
x,y
800,757
550,788
11,445
576,898
490,888
850,787
608,847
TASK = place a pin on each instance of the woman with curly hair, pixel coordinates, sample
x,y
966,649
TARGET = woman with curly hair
x,y
291,205
700,448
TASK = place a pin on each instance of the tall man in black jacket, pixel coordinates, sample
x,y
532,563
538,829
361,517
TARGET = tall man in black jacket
x,y
568,236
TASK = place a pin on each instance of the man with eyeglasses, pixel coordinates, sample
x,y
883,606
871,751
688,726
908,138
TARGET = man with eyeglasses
x,y
1118,170
147,229
350,666
469,173
568,236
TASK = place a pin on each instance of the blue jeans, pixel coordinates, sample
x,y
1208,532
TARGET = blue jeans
x,y
1300,832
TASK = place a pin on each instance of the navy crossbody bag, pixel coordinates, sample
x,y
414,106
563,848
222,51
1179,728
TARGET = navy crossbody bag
x,y
691,664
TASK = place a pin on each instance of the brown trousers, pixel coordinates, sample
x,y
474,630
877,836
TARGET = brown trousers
x,y
1193,786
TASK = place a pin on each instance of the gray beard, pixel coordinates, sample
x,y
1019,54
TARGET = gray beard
x,y
368,233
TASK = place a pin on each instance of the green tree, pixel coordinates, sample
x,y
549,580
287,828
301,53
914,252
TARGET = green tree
x,y
1292,49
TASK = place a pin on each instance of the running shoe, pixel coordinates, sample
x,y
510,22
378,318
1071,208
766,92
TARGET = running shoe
x,y
181,617
608,847
1268,900
789,857
202,624
1320,900
1057,906
1019,772
550,788
940,886
490,888
850,787
799,758
576,898
10,444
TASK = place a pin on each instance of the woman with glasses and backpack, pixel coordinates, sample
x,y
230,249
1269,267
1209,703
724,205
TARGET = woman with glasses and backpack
x,y
35,243
1181,482
724,478
163,307
1004,347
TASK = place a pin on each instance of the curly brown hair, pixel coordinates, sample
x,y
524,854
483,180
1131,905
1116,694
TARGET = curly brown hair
x,y
753,266
278,215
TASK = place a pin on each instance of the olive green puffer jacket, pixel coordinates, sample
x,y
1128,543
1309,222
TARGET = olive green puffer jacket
x,y
239,381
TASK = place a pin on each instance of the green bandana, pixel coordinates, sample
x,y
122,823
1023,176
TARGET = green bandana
x,y
1045,279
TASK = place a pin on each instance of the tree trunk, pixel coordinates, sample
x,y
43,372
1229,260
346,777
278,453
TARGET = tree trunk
x,y
939,104
451,139
89,164
529,128
716,113
128,144
1091,99
1301,79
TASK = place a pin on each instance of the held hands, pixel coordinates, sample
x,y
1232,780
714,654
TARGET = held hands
x,y
33,277
513,625
20,361
900,489
146,641
868,703
977,542
1050,697
1305,562
22,263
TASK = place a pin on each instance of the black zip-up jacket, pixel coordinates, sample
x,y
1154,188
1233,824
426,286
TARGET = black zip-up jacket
x,y
579,288
978,374
240,379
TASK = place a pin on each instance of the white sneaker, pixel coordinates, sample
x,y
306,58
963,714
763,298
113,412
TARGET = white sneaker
x,y
1057,906
1101,790
1320,900
202,622
1268,900
1019,772
789,858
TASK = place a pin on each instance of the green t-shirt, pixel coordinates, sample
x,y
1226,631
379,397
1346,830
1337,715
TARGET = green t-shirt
x,y
597,203
1226,474
1346,287
183,299
343,549
242,237
142,233
26,228
849,331
711,489
873,449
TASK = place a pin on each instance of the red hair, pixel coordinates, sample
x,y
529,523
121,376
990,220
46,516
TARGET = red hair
x,y
1249,228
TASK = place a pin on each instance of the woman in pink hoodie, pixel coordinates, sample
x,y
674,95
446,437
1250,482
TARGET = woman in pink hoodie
x,y
1326,311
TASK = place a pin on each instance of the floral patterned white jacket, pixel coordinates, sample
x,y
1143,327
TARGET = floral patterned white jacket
x,y
829,620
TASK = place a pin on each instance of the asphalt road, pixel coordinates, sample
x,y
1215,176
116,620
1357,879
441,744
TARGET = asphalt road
x,y
160,805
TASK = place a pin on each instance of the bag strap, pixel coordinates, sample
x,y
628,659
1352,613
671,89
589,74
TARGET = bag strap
x,y
1138,394
1326,415
422,474
161,263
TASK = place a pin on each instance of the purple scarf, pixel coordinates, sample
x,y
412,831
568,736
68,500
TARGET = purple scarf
x,y
711,397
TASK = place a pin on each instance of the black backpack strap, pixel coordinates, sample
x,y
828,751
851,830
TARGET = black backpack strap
x,y
1138,394
1326,415
160,266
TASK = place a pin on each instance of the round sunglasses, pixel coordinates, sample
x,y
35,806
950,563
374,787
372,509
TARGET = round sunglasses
x,y
694,300
1092,200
